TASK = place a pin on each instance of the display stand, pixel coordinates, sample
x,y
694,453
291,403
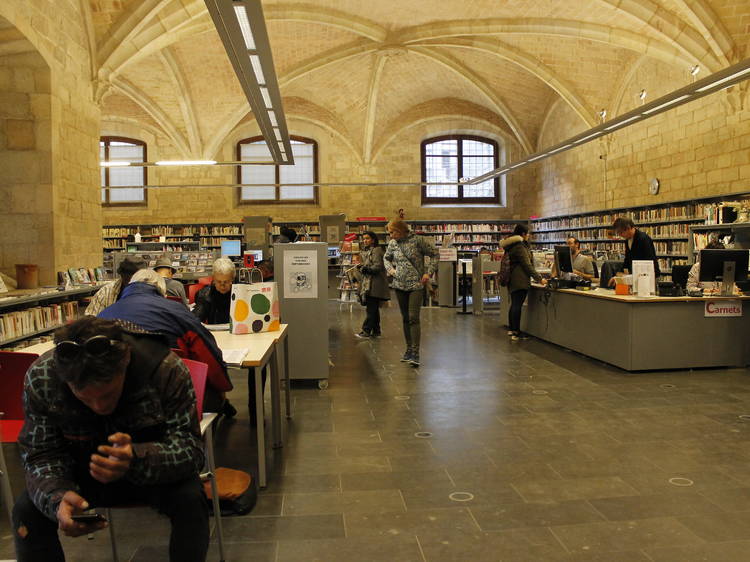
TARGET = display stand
x,y
464,284
301,272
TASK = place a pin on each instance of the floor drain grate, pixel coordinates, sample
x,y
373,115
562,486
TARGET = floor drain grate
x,y
744,417
461,497
402,397
423,434
539,392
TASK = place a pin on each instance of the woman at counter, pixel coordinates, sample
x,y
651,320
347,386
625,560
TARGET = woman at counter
x,y
521,272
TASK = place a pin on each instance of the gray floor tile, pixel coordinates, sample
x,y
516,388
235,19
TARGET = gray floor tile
x,y
738,551
719,527
501,517
394,480
657,505
573,489
425,523
301,527
625,535
380,549
370,501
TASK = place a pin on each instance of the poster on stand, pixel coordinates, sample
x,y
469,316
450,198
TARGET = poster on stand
x,y
301,274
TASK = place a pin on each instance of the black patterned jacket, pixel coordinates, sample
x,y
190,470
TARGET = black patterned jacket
x,y
157,409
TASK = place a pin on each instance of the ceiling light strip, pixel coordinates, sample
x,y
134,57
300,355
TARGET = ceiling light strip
x,y
717,81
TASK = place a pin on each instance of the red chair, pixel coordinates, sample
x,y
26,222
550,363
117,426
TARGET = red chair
x,y
13,367
199,376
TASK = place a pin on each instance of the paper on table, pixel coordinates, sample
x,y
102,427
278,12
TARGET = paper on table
x,y
234,356
217,327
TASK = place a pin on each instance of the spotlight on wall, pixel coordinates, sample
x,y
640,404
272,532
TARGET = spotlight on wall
x,y
602,115
642,95
694,70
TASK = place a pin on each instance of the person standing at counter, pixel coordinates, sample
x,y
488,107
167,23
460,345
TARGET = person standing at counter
x,y
521,272
638,245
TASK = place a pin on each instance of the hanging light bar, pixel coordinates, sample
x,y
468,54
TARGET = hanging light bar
x,y
242,29
698,89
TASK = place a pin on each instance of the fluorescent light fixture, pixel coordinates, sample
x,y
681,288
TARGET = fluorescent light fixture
x,y
266,97
277,133
112,164
272,117
257,69
591,136
727,79
186,162
621,123
247,33
561,148
666,104
699,88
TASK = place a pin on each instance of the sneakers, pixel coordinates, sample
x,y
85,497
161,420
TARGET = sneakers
x,y
520,336
414,359
407,356
228,410
511,333
362,335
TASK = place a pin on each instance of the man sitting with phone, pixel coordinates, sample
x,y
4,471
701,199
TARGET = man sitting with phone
x,y
110,418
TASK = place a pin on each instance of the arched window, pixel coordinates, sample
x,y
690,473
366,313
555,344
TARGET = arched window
x,y
271,183
449,158
120,149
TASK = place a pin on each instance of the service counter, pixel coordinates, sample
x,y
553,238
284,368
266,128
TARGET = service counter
x,y
639,333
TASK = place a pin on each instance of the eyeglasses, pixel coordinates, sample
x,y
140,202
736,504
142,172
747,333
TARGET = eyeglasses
x,y
96,346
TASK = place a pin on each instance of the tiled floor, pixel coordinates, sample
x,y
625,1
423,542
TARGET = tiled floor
x,y
565,459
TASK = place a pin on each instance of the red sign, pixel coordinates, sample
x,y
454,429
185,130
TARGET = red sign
x,y
371,219
723,309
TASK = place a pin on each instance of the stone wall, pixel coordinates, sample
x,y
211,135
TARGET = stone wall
x,y
67,224
697,150
398,162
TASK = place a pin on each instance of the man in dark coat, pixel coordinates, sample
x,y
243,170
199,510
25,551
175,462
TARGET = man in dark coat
x,y
638,244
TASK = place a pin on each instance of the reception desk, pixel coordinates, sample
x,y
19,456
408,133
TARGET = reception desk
x,y
639,333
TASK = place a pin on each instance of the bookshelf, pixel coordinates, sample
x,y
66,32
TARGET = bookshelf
x,y
672,226
190,265
700,236
28,317
349,257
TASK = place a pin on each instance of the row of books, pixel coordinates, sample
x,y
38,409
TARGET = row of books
x,y
463,238
20,323
80,276
666,264
671,247
696,211
468,227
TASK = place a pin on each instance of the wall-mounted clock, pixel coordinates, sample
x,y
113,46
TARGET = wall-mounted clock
x,y
653,186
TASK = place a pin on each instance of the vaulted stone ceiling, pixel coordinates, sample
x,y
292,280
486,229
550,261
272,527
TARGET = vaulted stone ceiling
x,y
365,68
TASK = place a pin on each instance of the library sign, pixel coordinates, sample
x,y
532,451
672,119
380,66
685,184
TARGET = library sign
x,y
723,309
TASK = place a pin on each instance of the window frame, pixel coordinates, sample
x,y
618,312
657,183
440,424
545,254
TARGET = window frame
x,y
460,200
277,174
106,203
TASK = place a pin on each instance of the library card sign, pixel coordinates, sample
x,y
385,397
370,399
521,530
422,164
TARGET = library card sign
x,y
723,309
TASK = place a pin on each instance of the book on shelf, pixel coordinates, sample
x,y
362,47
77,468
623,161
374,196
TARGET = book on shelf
x,y
19,323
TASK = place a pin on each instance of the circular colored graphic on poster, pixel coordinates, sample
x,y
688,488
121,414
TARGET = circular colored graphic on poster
x,y
257,325
260,304
241,310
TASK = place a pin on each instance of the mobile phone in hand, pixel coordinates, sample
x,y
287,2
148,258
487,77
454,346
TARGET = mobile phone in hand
x,y
89,518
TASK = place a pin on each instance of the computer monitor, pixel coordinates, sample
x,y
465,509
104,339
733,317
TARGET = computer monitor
x,y
727,266
231,248
563,259
257,255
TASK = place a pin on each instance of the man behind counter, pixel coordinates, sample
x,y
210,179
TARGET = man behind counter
x,y
582,265
638,245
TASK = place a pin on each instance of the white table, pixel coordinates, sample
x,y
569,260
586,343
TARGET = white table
x,y
262,348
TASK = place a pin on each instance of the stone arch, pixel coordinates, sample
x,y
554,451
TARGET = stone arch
x,y
26,184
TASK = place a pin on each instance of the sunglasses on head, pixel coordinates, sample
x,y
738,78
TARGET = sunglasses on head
x,y
96,346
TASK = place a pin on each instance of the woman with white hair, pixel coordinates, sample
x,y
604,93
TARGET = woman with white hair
x,y
212,303
143,302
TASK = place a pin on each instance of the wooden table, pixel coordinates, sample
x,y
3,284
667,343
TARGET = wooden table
x,y
262,348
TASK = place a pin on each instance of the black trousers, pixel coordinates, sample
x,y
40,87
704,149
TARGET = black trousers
x,y
410,304
183,502
371,324
516,306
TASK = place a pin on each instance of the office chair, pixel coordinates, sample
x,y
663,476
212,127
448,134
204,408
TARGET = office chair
x,y
680,275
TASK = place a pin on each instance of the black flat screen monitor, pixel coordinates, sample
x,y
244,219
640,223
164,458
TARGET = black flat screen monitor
x,y
712,264
563,259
